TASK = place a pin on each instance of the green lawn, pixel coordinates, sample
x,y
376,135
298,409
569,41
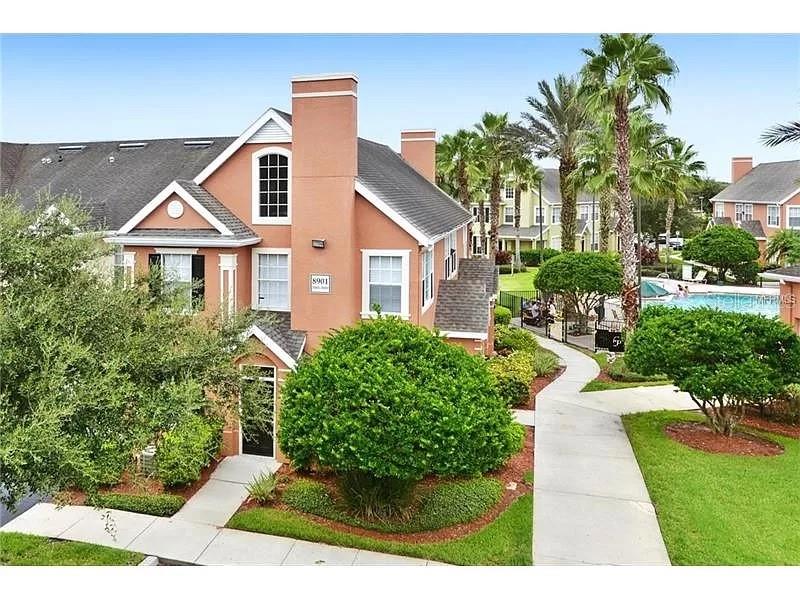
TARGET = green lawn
x,y
599,386
719,509
19,549
518,282
505,541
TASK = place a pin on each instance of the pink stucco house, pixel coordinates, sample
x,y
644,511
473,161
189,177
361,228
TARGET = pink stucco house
x,y
296,218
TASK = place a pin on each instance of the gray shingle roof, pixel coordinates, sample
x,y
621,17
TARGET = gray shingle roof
x,y
766,183
186,233
551,190
479,270
524,232
721,221
754,228
112,191
216,208
278,326
399,185
792,273
462,305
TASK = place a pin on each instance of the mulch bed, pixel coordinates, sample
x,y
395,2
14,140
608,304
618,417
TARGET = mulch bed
x,y
756,421
701,437
140,485
512,472
537,385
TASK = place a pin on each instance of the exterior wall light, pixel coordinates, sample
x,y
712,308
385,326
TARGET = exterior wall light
x,y
317,243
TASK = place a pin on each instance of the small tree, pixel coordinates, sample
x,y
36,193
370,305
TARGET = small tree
x,y
723,360
385,403
581,278
724,248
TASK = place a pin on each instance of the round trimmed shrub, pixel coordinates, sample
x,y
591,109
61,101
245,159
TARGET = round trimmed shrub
x,y
502,315
513,375
395,401
514,338
183,451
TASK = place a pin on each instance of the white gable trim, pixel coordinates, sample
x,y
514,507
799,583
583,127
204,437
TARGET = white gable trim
x,y
465,335
269,343
174,188
401,221
242,139
789,197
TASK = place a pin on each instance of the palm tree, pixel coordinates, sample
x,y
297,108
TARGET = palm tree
x,y
458,158
784,247
498,148
554,129
628,67
680,171
781,134
525,175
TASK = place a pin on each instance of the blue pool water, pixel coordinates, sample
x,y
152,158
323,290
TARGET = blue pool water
x,y
757,304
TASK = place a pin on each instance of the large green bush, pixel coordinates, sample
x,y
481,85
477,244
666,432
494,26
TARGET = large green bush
x,y
514,339
513,375
183,452
726,248
502,315
724,360
394,400
160,505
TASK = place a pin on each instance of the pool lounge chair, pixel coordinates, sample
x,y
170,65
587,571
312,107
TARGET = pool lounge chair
x,y
699,278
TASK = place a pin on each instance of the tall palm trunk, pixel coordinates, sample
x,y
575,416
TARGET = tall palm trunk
x,y
670,215
494,213
463,196
569,208
606,203
630,293
482,221
517,206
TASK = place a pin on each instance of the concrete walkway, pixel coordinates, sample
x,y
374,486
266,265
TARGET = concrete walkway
x,y
222,495
591,504
180,541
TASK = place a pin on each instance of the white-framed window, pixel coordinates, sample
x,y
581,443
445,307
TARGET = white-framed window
x,y
180,269
510,191
272,186
748,212
555,243
719,209
773,215
538,217
426,280
585,209
124,263
738,212
508,215
475,211
385,282
450,255
271,281
793,217
477,247
556,215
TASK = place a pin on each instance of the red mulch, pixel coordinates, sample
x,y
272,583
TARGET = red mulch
x,y
701,437
513,471
131,483
756,421
538,384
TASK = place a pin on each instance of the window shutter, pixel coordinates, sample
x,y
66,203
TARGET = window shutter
x,y
154,277
198,281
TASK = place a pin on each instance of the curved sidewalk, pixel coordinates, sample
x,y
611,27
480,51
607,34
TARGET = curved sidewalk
x,y
591,504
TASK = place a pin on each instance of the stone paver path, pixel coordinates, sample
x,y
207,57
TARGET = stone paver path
x,y
181,541
591,504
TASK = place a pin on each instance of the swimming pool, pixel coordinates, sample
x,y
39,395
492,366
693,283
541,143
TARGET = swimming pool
x,y
757,304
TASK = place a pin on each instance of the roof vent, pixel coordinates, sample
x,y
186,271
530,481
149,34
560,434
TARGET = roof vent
x,y
131,145
111,159
197,143
47,160
75,148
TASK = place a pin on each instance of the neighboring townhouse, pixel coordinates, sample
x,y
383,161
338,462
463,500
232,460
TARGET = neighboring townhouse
x,y
540,228
762,199
789,279
297,218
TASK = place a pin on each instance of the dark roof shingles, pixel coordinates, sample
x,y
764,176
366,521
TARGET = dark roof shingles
x,y
278,326
236,226
462,305
766,183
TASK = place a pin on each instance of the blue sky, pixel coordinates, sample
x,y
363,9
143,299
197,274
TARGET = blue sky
x,y
87,87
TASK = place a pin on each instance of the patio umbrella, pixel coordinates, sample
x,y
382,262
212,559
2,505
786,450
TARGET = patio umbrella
x,y
651,289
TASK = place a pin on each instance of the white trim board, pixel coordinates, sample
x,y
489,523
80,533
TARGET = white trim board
x,y
324,94
271,113
270,344
465,335
181,242
404,224
174,188
326,77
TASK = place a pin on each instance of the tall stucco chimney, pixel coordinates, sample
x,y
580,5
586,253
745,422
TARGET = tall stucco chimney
x,y
323,234
418,148
740,166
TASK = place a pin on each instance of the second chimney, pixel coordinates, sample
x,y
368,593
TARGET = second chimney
x,y
740,166
418,148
